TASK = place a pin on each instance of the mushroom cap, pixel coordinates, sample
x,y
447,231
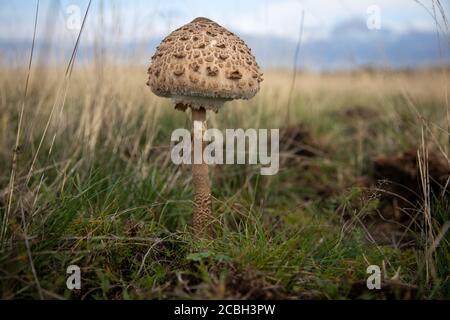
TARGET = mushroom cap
x,y
201,64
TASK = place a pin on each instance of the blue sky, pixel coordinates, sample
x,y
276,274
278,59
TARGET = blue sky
x,y
142,18
407,30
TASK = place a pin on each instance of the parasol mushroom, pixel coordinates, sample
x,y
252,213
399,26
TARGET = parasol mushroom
x,y
200,66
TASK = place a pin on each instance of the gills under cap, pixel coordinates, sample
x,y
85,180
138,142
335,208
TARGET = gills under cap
x,y
203,65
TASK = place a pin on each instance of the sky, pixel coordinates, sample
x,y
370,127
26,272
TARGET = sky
x,y
140,18
121,22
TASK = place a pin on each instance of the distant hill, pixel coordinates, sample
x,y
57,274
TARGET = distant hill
x,y
350,45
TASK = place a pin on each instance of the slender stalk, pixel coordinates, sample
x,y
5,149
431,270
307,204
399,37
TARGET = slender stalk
x,y
202,188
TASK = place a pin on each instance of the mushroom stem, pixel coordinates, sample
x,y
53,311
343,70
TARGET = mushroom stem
x,y
202,188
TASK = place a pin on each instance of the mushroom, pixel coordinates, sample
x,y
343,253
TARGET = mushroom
x,y
200,66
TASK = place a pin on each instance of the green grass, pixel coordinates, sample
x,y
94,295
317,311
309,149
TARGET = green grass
x,y
106,200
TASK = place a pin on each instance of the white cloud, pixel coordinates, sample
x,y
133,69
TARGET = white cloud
x,y
140,19
282,18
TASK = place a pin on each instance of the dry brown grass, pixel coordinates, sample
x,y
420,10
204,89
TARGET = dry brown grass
x,y
106,118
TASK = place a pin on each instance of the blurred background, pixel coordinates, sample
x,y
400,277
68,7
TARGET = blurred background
x,y
341,34
359,90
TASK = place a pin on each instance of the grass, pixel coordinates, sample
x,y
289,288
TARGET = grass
x,y
104,195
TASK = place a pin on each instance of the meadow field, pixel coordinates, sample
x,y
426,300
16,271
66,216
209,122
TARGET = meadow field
x,y
86,179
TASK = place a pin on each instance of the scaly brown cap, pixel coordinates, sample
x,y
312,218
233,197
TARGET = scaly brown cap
x,y
203,65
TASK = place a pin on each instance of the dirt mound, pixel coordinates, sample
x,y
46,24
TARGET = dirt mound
x,y
396,186
253,286
239,284
298,141
359,120
305,155
400,182
390,289
358,112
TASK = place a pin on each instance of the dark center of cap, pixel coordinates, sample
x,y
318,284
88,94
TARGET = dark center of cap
x,y
201,19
